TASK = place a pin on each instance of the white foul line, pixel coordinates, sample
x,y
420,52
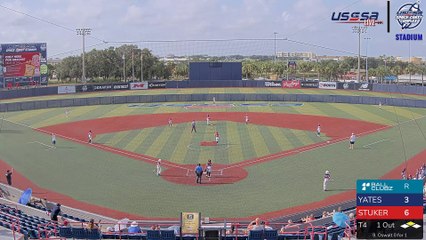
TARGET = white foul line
x,y
379,141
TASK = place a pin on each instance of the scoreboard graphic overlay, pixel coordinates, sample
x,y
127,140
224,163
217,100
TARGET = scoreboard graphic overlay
x,y
389,209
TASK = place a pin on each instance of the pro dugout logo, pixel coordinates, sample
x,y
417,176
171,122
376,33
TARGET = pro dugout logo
x,y
409,16
366,18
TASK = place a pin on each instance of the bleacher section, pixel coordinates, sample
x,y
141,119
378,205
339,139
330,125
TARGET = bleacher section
x,y
33,222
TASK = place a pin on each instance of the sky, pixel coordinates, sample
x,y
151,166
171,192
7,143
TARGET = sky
x,y
164,25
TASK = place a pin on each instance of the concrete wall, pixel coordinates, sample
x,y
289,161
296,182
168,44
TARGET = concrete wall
x,y
19,106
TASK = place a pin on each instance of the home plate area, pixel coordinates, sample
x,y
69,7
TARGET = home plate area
x,y
221,174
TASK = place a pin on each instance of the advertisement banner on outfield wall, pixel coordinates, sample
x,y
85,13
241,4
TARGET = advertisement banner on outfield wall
x,y
327,85
66,89
291,84
120,86
346,86
364,86
138,85
309,84
152,85
272,84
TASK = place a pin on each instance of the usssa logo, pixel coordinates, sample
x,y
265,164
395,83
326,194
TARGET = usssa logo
x,y
365,18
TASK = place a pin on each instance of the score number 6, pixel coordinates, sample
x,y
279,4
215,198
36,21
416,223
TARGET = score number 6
x,y
406,212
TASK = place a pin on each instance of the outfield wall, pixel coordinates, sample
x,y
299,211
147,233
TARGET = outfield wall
x,y
54,90
19,106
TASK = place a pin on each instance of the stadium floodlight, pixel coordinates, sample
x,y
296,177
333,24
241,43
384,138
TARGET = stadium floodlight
x,y
366,58
83,32
275,46
359,30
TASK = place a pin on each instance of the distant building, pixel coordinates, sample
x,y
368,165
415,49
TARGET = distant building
x,y
415,60
173,58
54,61
306,56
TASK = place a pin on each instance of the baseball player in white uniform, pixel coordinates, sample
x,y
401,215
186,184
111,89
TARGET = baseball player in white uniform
x,y
159,167
327,178
352,140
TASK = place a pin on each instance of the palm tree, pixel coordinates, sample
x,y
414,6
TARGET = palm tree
x,y
411,69
304,67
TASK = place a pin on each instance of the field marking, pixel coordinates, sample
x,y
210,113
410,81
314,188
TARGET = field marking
x,y
379,141
49,147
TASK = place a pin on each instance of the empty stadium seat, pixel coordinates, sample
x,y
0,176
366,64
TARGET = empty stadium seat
x,y
94,234
153,235
270,234
168,235
79,233
65,232
255,235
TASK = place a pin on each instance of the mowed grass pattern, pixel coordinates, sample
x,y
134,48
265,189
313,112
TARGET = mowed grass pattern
x,y
238,141
104,178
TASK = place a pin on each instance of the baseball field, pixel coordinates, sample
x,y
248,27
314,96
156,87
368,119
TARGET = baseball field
x,y
271,166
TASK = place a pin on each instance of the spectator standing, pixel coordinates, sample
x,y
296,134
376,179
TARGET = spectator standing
x,y
91,225
9,177
55,212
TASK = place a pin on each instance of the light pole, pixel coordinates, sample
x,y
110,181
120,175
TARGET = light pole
x,y
124,67
275,46
366,58
359,30
83,32
141,66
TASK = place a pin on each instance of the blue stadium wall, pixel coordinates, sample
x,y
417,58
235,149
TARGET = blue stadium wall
x,y
208,71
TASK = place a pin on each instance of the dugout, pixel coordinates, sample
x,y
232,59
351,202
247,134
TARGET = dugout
x,y
208,71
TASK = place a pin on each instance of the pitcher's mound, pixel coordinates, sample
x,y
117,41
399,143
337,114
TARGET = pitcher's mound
x,y
211,143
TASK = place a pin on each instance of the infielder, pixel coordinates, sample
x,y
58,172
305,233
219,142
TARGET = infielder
x,y
193,129
319,130
159,167
246,119
89,136
53,139
209,169
216,135
352,140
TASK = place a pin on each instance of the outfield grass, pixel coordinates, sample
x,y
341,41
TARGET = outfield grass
x,y
120,183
